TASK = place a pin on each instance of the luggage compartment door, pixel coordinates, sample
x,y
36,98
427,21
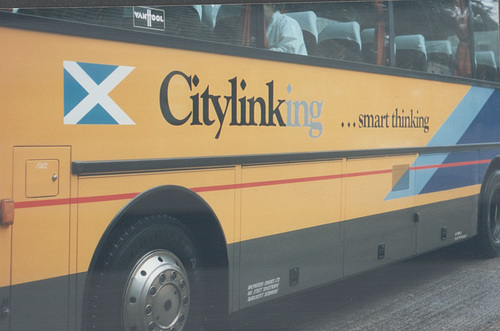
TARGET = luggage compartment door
x,y
40,238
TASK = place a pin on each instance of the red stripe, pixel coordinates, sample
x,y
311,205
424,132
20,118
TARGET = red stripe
x,y
214,188
128,196
263,183
57,202
285,181
450,165
41,203
123,196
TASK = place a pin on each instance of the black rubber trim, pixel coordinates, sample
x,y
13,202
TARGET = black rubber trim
x,y
151,165
42,24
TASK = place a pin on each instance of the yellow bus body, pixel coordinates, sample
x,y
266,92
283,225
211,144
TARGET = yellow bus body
x,y
60,221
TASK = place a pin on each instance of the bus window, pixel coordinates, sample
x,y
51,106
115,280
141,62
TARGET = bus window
x,y
485,25
430,36
181,21
433,36
353,31
228,25
178,21
116,17
344,31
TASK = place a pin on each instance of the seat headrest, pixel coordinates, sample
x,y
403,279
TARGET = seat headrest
x,y
368,36
341,31
414,42
486,58
307,20
438,46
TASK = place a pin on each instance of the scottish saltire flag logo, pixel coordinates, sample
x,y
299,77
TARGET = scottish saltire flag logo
x,y
86,93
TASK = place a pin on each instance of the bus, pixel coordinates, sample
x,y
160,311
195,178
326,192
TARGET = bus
x,y
167,164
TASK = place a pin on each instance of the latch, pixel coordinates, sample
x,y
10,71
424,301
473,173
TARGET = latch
x,y
294,276
444,231
381,251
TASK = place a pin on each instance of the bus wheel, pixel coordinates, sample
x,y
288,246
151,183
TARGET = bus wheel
x,y
489,223
150,280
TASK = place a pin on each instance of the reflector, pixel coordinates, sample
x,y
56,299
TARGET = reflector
x,y
6,212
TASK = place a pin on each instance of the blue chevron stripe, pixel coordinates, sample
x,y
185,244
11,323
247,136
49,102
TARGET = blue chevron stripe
x,y
465,125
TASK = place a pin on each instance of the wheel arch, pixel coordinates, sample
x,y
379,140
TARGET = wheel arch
x,y
492,166
194,213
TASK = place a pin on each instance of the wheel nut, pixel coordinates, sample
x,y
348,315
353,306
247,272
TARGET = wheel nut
x,y
173,275
185,300
152,326
162,278
182,283
152,290
149,310
182,318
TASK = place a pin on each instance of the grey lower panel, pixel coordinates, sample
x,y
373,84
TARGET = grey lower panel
x,y
286,263
41,305
80,279
446,222
268,266
377,240
50,304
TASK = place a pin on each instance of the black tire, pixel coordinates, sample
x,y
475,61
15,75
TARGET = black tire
x,y
489,217
149,279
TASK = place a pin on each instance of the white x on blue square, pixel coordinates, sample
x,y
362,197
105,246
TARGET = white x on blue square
x,y
86,89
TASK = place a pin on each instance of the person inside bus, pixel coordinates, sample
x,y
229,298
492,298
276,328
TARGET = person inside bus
x,y
283,32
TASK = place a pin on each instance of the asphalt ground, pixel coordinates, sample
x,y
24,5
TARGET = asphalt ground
x,y
448,289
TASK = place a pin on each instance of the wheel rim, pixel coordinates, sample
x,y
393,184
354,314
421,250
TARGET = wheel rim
x,y
495,216
157,294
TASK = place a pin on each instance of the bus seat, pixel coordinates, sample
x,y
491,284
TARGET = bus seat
x,y
440,57
308,22
411,52
486,66
228,25
368,49
209,15
369,46
340,40
183,21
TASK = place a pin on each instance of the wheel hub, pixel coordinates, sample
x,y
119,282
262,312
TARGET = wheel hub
x,y
157,294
